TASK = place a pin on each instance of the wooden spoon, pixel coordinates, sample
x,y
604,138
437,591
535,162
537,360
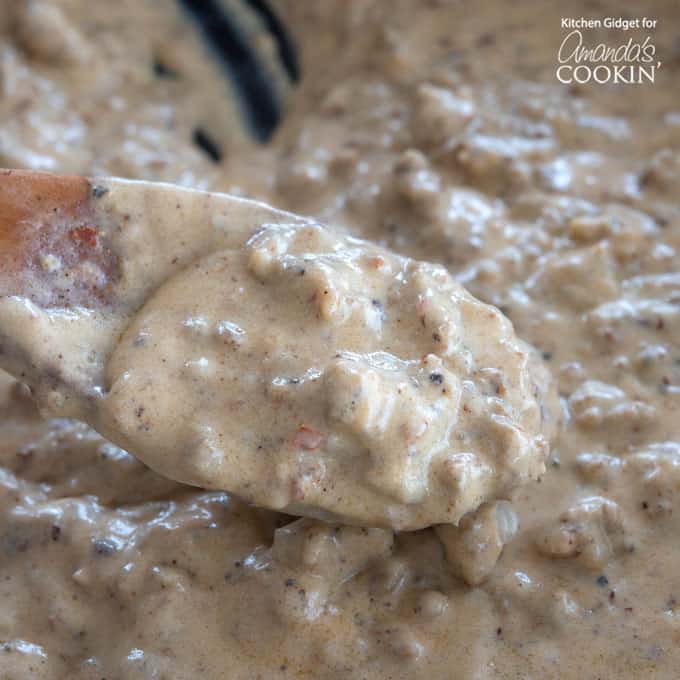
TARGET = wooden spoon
x,y
302,369
79,256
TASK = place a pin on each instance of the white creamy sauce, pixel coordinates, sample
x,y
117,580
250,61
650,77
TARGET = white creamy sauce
x,y
440,133
317,374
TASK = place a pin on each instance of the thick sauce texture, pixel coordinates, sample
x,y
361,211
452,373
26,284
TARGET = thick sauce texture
x,y
438,131
318,374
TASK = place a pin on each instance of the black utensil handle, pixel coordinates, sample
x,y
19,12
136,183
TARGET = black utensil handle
x,y
240,62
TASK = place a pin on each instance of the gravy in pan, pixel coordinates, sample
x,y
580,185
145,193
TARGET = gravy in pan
x,y
439,131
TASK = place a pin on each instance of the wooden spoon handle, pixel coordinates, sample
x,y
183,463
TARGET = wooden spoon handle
x,y
52,251
79,257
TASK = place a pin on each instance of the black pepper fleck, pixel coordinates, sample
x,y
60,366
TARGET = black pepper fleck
x,y
162,70
486,40
103,547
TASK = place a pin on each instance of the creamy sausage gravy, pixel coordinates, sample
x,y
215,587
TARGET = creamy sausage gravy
x,y
309,372
440,133
318,374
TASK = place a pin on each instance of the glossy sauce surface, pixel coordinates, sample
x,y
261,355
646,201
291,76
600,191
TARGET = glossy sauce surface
x,y
442,134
